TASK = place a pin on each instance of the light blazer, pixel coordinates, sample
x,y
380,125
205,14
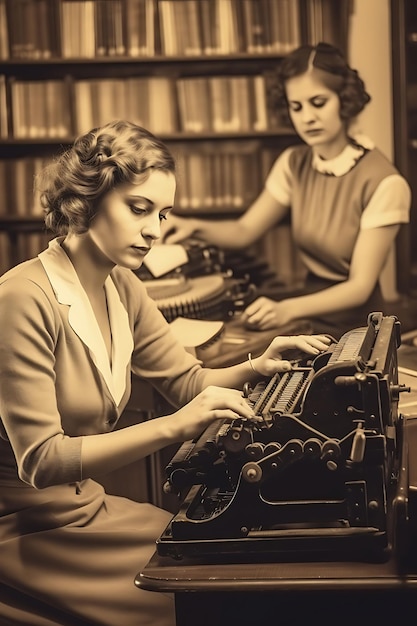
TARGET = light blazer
x,y
56,384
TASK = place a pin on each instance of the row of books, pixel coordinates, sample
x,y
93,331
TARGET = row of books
x,y
210,178
214,104
213,179
228,26
20,197
19,247
44,29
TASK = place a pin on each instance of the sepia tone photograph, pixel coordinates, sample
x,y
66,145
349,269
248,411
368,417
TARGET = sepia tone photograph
x,y
208,312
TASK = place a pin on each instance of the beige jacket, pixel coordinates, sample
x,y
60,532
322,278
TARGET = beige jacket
x,y
56,384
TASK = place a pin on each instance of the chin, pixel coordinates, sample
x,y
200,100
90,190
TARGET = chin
x,y
130,264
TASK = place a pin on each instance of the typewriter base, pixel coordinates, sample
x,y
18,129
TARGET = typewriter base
x,y
369,545
398,543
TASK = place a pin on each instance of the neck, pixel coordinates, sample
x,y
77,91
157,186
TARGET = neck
x,y
91,266
333,149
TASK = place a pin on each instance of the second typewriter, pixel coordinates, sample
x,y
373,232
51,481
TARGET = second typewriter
x,y
316,476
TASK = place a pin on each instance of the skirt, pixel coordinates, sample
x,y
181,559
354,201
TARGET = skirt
x,y
69,555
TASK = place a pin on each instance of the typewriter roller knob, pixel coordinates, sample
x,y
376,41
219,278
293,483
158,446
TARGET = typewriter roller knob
x,y
251,472
312,448
271,447
330,454
255,450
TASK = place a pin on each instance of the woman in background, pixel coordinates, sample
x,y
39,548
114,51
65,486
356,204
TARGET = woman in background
x,y
75,322
345,199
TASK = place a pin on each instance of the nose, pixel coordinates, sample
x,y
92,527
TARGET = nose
x,y
152,226
308,114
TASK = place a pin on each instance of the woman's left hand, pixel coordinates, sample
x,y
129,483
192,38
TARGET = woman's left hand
x,y
265,314
271,360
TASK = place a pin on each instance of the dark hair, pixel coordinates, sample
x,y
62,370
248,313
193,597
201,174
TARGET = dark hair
x,y
118,152
336,74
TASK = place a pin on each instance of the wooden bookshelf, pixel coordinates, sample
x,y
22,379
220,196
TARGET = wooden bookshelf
x,y
195,72
404,61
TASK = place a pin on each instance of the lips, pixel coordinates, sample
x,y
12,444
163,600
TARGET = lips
x,y
142,249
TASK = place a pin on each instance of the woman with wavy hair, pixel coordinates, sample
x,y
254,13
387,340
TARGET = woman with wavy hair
x,y
346,201
75,322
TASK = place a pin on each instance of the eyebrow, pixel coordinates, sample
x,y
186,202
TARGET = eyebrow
x,y
133,197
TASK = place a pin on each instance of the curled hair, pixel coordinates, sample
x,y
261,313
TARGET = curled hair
x,y
335,73
118,152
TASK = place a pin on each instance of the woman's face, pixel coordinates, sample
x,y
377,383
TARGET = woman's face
x,y
315,112
128,219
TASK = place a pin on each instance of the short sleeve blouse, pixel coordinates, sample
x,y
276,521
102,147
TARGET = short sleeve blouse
x,y
331,201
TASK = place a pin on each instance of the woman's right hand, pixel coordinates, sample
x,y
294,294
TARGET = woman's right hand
x,y
211,404
177,229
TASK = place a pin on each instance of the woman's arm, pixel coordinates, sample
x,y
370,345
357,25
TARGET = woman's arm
x,y
106,452
369,255
264,213
109,451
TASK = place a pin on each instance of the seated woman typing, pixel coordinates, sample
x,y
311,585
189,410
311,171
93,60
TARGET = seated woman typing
x,y
75,322
345,199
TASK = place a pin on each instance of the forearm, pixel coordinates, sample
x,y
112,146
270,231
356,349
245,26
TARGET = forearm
x,y
234,377
221,399
107,452
370,254
339,297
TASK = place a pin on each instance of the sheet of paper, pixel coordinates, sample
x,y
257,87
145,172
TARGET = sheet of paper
x,y
164,258
194,333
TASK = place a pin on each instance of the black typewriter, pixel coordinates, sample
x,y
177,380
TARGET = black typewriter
x,y
213,284
317,476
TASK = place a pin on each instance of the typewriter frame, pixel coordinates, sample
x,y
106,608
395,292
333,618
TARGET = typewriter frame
x,y
317,479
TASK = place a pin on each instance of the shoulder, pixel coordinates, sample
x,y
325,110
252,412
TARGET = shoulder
x,y
27,298
295,156
373,172
28,278
375,163
286,171
291,161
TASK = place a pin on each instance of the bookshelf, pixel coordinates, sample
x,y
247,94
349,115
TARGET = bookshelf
x,y
404,60
195,72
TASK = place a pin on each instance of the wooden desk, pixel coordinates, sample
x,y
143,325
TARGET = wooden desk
x,y
284,594
339,593
236,341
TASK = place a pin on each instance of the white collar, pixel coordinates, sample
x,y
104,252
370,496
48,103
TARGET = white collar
x,y
346,160
68,290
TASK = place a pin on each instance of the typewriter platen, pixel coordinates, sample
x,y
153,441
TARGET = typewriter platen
x,y
317,475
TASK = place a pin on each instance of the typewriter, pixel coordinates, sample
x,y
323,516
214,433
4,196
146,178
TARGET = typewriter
x,y
317,476
212,284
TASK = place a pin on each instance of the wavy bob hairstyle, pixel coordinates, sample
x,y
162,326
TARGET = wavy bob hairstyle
x,y
98,161
335,73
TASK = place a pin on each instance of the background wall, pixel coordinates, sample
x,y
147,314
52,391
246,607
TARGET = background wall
x,y
370,54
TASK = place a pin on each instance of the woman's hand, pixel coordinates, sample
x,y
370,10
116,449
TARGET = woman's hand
x,y
271,360
266,314
177,229
211,404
